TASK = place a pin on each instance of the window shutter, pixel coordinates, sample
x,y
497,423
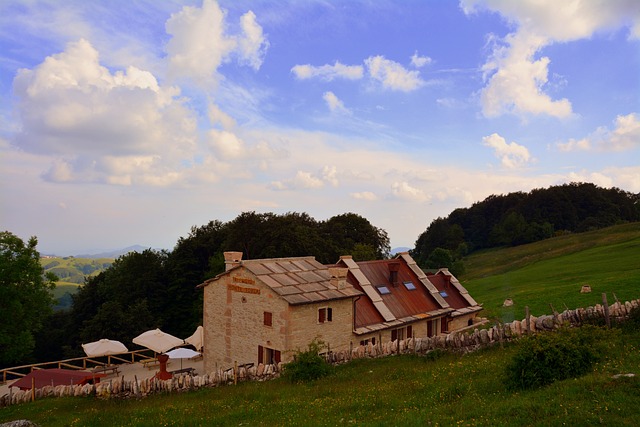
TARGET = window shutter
x,y
276,356
321,315
329,314
260,354
268,318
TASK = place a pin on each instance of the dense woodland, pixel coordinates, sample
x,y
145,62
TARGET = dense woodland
x,y
157,289
518,218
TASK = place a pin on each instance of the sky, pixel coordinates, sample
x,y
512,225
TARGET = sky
x,y
128,122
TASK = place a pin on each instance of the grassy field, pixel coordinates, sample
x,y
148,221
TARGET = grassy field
x,y
553,271
449,390
72,273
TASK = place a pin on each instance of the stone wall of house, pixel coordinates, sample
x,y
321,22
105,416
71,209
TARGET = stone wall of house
x,y
306,327
238,302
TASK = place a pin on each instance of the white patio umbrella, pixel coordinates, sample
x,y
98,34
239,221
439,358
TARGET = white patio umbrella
x,y
182,353
104,347
157,340
196,339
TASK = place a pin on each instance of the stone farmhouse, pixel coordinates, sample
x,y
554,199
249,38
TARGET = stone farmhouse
x,y
263,310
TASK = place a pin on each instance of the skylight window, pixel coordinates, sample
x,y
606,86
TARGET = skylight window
x,y
410,286
383,290
443,294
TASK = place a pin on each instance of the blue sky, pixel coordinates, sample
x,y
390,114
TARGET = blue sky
x,y
129,122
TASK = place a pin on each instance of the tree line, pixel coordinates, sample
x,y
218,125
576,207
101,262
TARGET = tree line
x,y
519,218
157,288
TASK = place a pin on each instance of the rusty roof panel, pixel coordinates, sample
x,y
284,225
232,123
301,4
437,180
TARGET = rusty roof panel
x,y
268,280
256,268
313,287
296,299
285,279
287,290
454,298
310,276
401,301
274,267
330,294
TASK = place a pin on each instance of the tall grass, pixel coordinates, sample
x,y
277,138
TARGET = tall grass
x,y
399,390
552,273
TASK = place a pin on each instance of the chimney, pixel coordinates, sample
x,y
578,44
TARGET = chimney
x,y
338,277
393,272
231,260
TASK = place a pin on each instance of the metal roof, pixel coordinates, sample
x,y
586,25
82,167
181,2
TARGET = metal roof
x,y
301,280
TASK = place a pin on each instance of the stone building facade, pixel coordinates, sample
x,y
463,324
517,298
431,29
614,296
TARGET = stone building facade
x,y
262,311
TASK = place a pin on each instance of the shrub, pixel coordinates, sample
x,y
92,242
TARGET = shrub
x,y
308,365
547,357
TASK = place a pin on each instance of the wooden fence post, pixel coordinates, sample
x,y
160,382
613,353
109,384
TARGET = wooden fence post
x,y
606,310
235,372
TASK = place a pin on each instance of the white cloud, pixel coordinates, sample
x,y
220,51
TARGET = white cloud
x,y
364,195
406,191
330,175
304,180
393,75
226,144
334,103
328,72
516,78
419,61
624,136
73,107
252,45
217,116
511,155
574,145
200,43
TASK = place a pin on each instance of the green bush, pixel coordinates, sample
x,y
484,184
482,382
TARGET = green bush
x,y
308,365
547,357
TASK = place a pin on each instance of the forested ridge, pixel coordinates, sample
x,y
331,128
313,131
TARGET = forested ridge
x,y
519,218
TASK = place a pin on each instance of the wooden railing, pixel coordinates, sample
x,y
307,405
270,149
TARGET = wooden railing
x,y
79,363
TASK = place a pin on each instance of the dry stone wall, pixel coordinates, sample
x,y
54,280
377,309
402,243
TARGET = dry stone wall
x,y
462,341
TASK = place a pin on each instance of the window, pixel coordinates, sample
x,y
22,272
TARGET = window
x,y
268,356
325,314
402,333
383,290
443,294
371,340
410,286
268,318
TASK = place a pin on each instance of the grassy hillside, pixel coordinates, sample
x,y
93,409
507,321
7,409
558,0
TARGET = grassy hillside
x,y
553,271
74,270
406,390
72,273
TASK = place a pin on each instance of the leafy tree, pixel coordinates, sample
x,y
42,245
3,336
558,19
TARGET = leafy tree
x,y
26,295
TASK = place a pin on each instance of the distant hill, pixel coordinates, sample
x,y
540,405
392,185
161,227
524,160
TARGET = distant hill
x,y
72,273
115,253
400,249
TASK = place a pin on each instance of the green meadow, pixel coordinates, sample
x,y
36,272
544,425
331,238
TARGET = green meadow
x,y
552,272
439,389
